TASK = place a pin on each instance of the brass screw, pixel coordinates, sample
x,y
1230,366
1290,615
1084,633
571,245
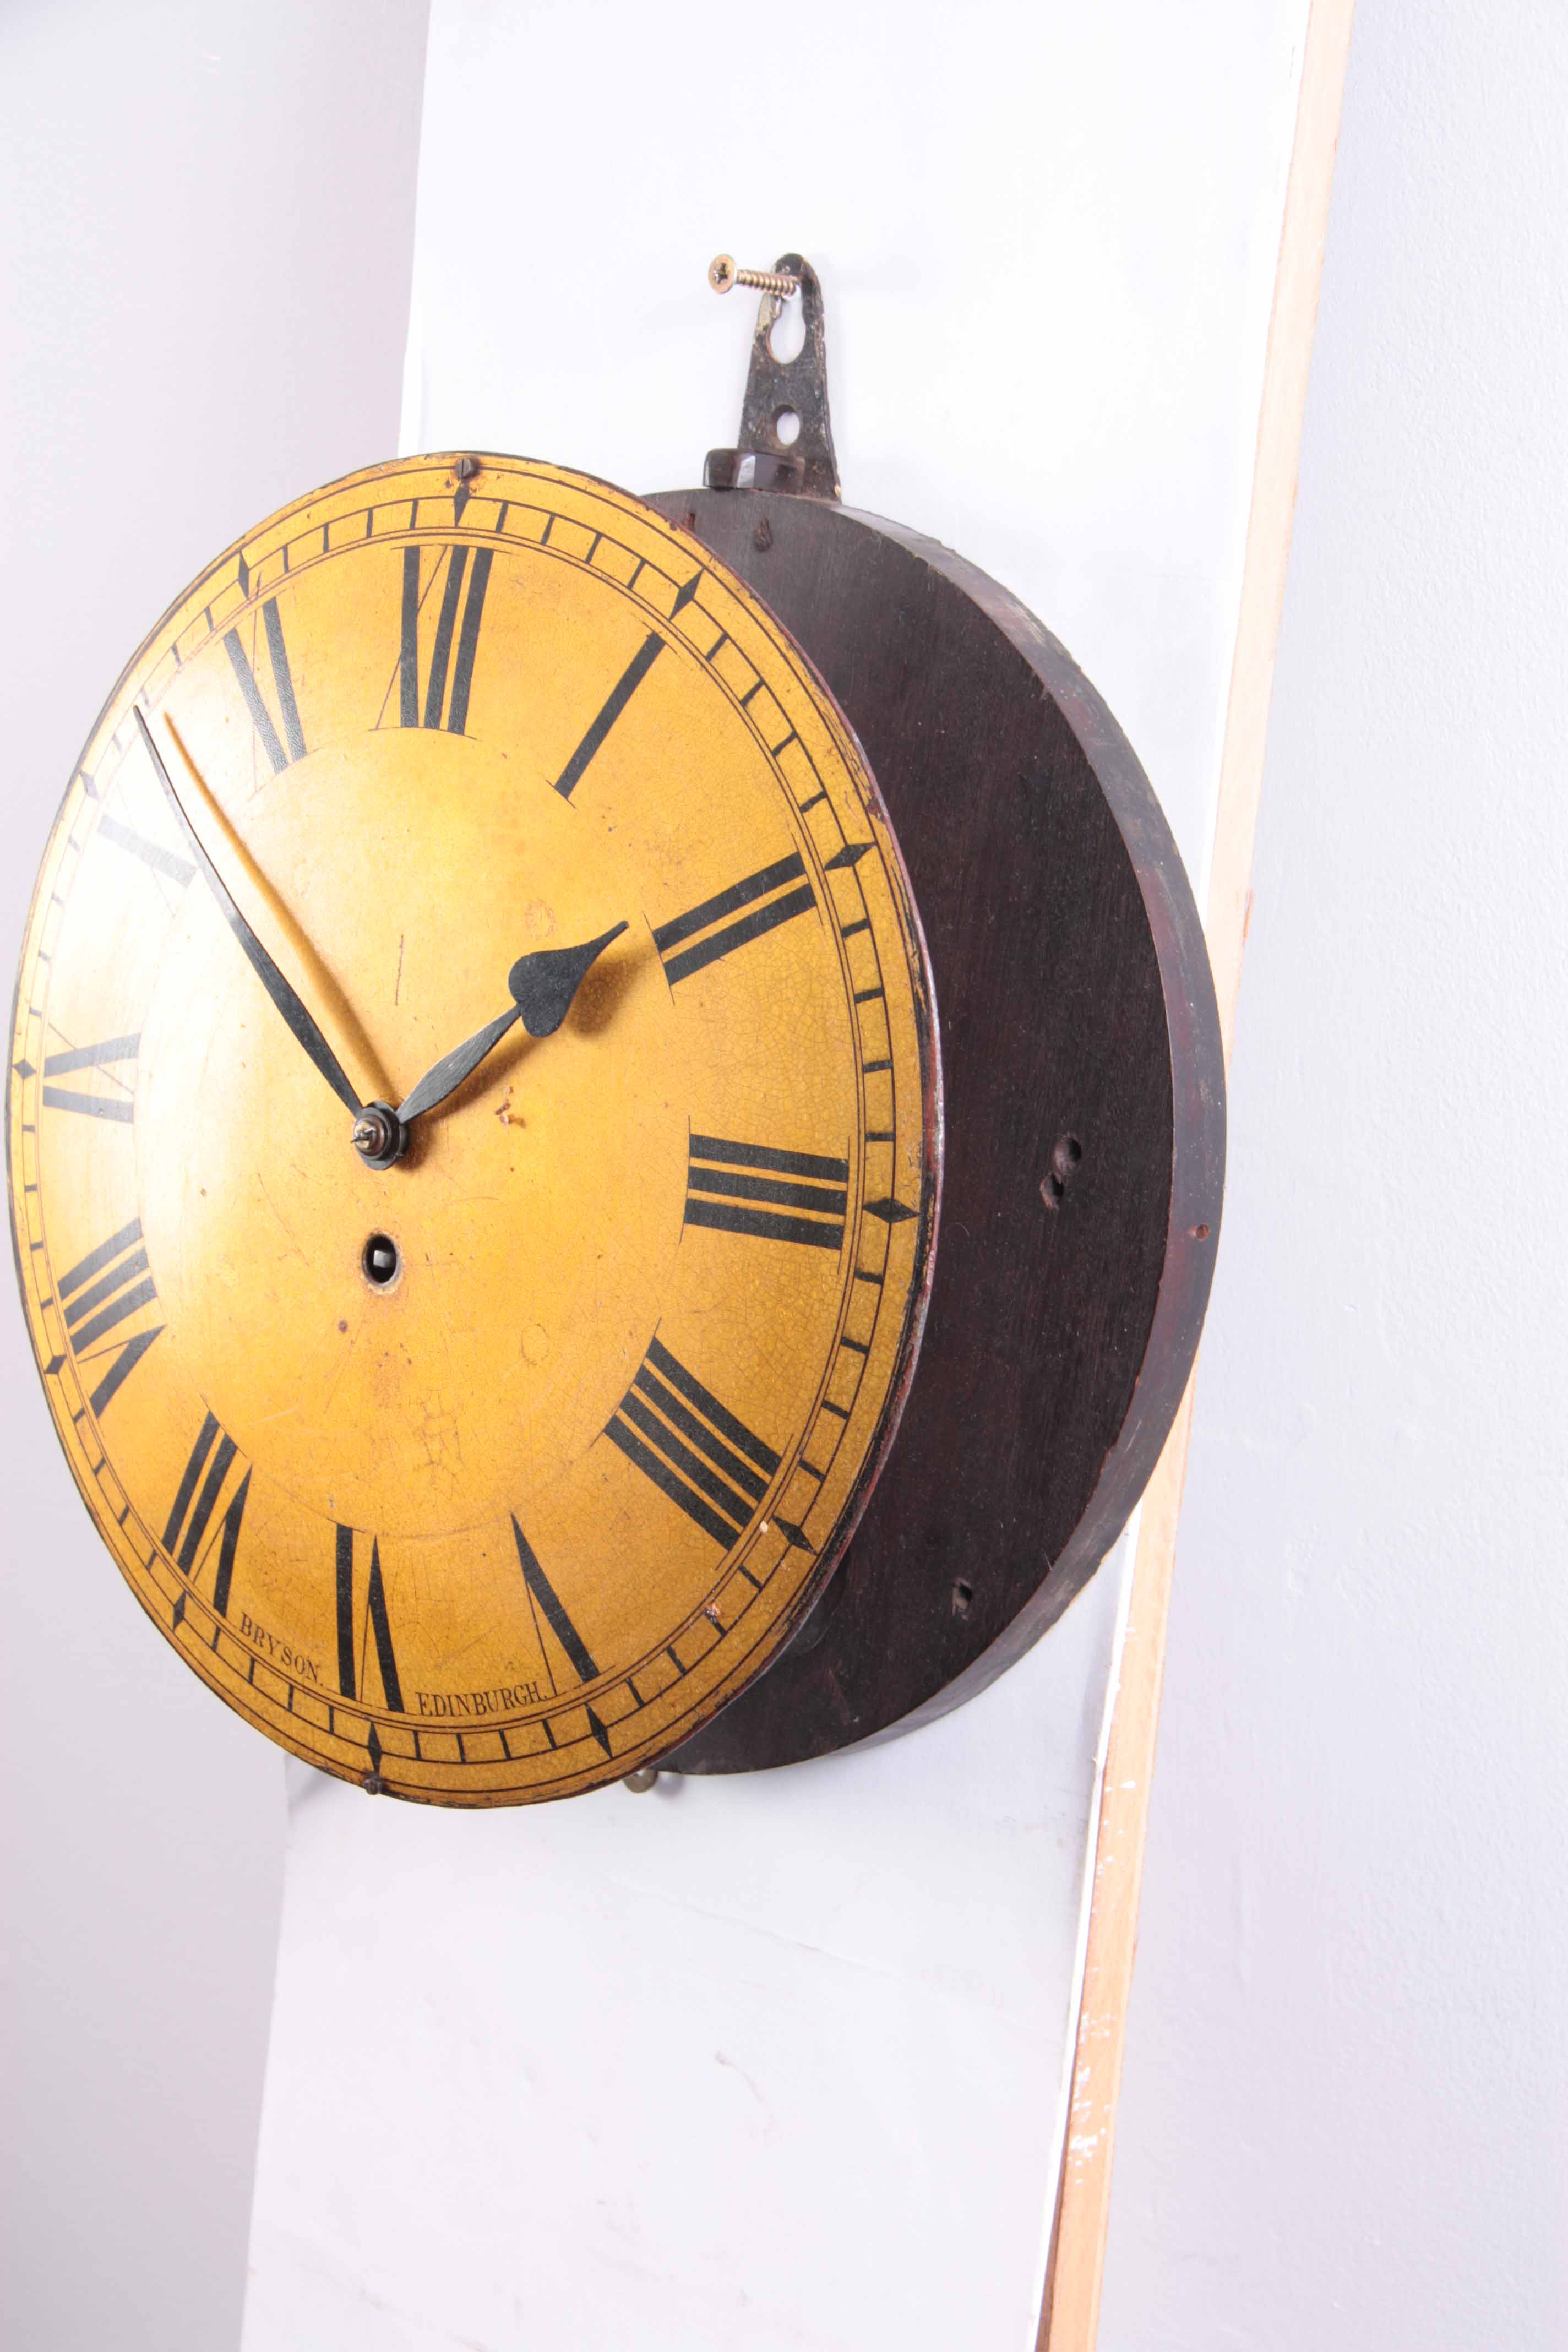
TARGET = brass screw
x,y
723,274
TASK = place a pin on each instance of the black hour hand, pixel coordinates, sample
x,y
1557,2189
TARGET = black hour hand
x,y
543,984
448,1073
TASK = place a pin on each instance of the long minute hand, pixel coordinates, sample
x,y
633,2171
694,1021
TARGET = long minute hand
x,y
300,1021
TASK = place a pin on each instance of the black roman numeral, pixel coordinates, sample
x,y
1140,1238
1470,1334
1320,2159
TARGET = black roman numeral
x,y
151,853
435,700
757,892
110,1283
740,1188
542,1596
353,1639
631,677
91,1057
695,1451
213,1453
282,687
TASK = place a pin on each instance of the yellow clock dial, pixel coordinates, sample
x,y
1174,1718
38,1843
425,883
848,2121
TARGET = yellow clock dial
x,y
490,1474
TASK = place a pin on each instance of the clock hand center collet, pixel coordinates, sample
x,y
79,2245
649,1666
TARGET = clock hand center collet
x,y
380,1137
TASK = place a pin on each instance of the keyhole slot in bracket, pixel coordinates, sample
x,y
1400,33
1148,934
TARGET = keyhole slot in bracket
x,y
780,389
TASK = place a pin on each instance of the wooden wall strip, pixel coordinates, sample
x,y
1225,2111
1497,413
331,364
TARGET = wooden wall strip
x,y
1069,2320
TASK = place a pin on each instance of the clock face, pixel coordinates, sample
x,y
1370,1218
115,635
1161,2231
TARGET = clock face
x,y
489,1474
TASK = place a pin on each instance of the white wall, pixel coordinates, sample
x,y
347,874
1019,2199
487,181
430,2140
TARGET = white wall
x,y
206,212
1346,2113
776,2061
1344,2120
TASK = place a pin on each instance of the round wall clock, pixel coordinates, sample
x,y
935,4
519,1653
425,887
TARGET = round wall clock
x,y
477,1119
474,1130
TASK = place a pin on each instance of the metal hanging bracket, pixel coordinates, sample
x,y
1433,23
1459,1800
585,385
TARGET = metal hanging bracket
x,y
777,390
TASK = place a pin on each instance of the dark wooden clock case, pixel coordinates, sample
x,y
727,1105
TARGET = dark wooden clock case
x,y
1085,1092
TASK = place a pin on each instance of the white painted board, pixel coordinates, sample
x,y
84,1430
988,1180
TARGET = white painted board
x,y
778,2061
772,2061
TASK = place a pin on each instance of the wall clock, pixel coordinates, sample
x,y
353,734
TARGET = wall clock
x,y
476,1121
480,1446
